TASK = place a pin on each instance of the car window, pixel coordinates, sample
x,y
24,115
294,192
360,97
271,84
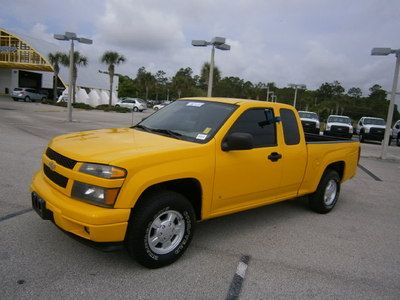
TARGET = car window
x,y
31,90
290,128
252,121
17,89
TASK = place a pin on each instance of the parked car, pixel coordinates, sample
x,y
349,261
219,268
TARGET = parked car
x,y
339,126
310,121
27,94
395,133
134,104
159,106
196,159
370,128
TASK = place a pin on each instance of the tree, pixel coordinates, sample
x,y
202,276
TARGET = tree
x,y
377,93
354,92
55,61
145,80
161,81
183,81
112,59
205,75
79,61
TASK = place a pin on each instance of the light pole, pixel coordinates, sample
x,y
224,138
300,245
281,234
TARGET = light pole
x,y
66,37
387,51
296,86
216,42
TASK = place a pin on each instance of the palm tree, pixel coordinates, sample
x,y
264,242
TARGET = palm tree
x,y
111,59
55,61
205,73
79,61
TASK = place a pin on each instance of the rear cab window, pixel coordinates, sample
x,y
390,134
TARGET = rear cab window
x,y
290,127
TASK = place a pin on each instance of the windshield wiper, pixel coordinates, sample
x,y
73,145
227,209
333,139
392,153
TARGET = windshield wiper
x,y
142,127
171,133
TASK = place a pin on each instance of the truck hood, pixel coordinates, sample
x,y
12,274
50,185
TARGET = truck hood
x,y
369,126
339,124
113,145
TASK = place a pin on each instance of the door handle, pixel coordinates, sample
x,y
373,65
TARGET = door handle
x,y
274,156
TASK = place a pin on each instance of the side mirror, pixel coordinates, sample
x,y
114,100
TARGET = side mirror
x,y
238,141
397,126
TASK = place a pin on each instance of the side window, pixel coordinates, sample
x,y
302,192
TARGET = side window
x,y
253,121
290,128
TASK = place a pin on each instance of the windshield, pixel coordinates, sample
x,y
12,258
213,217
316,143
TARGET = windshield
x,y
374,121
308,115
191,120
337,119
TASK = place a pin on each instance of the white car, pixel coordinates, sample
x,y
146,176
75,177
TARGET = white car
x,y
395,133
134,104
310,121
339,126
370,128
159,106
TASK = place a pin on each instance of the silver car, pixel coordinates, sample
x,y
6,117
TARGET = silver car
x,y
134,104
27,94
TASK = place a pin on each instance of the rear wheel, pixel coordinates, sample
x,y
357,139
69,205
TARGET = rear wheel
x,y
135,109
15,99
27,99
160,229
155,108
398,140
327,193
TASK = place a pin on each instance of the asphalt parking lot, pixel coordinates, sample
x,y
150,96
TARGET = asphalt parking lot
x,y
353,252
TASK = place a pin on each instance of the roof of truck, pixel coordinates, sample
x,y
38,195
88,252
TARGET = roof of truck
x,y
236,101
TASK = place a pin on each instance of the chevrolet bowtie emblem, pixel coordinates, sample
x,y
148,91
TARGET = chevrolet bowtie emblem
x,y
52,165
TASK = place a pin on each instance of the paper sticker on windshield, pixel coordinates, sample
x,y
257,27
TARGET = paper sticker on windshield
x,y
201,136
195,104
207,130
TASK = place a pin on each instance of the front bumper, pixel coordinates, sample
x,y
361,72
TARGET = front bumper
x,y
339,134
88,221
373,136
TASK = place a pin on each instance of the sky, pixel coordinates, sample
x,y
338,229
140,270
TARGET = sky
x,y
282,41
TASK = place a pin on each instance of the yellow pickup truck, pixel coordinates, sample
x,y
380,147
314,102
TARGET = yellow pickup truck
x,y
195,159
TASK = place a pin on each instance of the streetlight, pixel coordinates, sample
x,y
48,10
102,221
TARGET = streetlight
x,y
296,86
66,37
216,42
387,51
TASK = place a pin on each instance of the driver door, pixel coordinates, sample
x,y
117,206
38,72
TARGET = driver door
x,y
246,178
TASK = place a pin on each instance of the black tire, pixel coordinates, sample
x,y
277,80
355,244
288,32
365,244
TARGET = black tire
x,y
398,140
135,109
361,137
140,228
317,200
155,108
43,98
26,99
15,99
116,105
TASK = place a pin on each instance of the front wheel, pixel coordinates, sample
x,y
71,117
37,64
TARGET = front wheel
x,y
361,137
27,99
135,109
327,193
160,229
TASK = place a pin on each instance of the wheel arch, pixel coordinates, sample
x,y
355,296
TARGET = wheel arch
x,y
337,166
188,187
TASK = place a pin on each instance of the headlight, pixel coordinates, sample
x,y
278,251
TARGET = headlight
x,y
103,171
317,124
366,129
328,127
350,129
94,194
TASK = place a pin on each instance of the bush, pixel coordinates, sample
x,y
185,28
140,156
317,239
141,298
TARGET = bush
x,y
106,107
82,106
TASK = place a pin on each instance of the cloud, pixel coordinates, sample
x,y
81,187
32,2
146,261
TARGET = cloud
x,y
135,26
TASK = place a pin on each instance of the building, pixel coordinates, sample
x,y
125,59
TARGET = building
x,y
24,63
